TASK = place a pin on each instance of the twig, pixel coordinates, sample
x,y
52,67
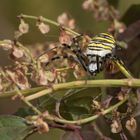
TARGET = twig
x,y
41,91
23,92
86,120
50,22
89,84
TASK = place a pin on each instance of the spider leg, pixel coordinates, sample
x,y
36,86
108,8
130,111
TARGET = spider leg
x,y
121,66
97,62
56,58
80,56
47,51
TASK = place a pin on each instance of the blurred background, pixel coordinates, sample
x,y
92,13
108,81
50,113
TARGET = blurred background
x,y
10,9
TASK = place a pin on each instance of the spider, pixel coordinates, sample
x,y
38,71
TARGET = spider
x,y
100,48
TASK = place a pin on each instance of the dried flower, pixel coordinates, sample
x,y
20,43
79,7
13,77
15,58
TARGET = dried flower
x,y
23,27
65,20
131,124
43,77
17,52
40,78
44,28
18,77
87,5
65,38
41,125
71,24
7,44
101,9
62,19
116,126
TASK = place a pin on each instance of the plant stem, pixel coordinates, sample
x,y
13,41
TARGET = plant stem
x,y
79,122
86,120
89,83
41,91
24,92
50,22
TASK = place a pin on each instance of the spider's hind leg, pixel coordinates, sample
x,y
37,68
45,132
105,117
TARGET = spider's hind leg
x,y
119,63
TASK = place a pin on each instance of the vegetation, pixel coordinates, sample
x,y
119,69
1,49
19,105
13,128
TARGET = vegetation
x,y
59,93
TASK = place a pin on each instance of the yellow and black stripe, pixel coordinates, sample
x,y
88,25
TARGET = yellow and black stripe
x,y
102,41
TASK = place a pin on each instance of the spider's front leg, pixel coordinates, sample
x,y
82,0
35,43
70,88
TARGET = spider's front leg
x,y
76,49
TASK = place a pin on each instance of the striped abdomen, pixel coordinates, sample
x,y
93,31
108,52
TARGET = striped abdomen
x,y
101,45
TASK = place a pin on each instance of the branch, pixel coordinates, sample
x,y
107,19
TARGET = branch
x,y
78,122
86,120
23,92
49,21
41,91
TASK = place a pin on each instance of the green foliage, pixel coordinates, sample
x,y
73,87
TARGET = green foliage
x,y
14,128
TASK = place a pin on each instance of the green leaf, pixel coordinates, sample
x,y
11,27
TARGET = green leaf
x,y
78,104
14,128
76,108
84,102
78,112
23,112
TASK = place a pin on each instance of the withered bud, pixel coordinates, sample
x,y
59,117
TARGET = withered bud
x,y
65,20
116,126
17,52
87,5
23,27
7,44
44,28
41,125
62,19
65,38
131,124
18,77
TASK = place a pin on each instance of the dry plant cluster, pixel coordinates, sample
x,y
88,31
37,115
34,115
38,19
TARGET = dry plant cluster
x,y
34,74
